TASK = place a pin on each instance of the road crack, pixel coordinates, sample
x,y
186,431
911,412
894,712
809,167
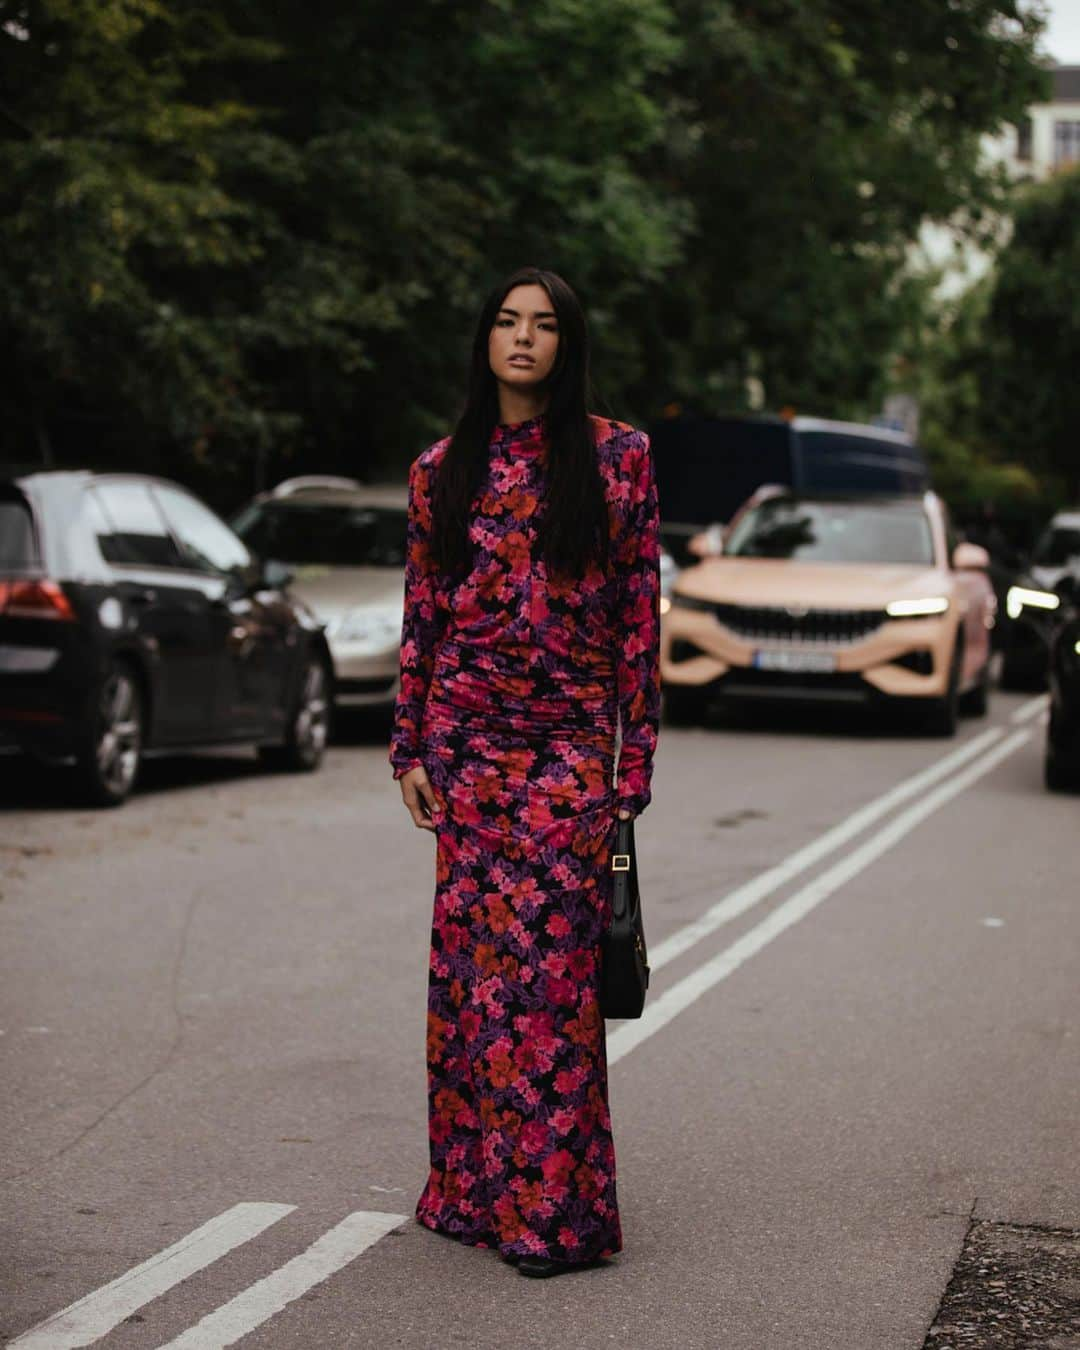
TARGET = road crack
x,y
167,1059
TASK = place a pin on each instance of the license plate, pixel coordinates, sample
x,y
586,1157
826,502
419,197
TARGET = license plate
x,y
815,663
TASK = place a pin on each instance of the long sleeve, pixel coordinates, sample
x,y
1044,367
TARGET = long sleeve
x,y
420,627
638,631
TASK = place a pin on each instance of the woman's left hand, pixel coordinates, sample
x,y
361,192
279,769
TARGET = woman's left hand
x,y
624,814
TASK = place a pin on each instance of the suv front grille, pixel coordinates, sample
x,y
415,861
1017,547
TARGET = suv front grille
x,y
774,623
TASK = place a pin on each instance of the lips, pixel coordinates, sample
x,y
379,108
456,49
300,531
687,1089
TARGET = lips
x,y
521,361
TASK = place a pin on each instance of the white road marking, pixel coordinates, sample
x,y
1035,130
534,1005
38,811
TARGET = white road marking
x,y
681,995
1031,708
95,1315
751,892
262,1300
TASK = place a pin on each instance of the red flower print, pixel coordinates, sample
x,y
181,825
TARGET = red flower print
x,y
581,965
566,1081
558,1167
530,1197
558,925
561,990
436,1042
535,1135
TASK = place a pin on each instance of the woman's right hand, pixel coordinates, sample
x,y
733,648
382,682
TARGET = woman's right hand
x,y
419,798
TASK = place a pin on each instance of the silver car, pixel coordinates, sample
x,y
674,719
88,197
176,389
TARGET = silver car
x,y
346,545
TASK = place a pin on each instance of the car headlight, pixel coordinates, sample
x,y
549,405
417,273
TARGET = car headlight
x,y
917,609
1020,598
371,625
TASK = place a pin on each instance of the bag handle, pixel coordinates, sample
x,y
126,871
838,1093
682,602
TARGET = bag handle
x,y
624,866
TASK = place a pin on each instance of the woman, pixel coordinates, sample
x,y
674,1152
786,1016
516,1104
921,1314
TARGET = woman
x,y
530,635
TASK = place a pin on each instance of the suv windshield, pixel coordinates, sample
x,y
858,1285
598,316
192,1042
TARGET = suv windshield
x,y
345,535
835,532
1057,547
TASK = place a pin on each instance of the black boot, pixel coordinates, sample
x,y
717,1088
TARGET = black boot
x,y
542,1267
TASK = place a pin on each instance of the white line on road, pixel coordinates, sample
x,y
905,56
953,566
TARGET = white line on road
x,y
262,1300
1030,709
682,994
95,1315
755,890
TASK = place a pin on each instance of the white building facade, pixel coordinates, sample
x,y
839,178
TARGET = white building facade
x,y
1048,139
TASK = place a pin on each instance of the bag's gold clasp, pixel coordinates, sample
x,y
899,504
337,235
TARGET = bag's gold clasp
x,y
620,862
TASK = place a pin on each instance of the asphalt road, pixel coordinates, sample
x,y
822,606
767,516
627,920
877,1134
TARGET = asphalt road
x,y
862,1032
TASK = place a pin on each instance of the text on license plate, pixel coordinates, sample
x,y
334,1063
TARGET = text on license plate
x,y
817,663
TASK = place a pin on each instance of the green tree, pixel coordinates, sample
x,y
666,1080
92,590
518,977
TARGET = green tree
x,y
814,138
256,232
1029,394
117,224
260,230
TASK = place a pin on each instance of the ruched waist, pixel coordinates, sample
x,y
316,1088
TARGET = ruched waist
x,y
526,693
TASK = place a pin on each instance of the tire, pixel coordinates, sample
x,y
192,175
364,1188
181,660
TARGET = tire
x,y
107,762
1058,776
685,705
976,701
941,715
1019,675
309,722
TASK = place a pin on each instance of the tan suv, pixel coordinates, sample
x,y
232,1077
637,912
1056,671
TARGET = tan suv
x,y
831,598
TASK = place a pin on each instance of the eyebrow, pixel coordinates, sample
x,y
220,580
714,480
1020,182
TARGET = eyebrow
x,y
537,313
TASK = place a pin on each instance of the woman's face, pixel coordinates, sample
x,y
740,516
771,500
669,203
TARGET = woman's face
x,y
524,339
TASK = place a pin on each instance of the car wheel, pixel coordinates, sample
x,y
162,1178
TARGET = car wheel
x,y
1057,775
685,705
976,701
309,723
107,762
941,714
1020,674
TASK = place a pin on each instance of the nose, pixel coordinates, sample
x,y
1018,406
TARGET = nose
x,y
522,336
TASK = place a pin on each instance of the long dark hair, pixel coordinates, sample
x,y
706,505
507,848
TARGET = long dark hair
x,y
573,526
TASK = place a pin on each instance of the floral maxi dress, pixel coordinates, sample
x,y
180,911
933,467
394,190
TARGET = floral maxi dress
x,y
514,684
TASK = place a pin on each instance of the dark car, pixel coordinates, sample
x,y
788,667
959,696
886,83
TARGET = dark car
x,y
706,467
1063,730
1031,604
134,621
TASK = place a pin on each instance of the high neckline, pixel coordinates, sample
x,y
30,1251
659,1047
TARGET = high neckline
x,y
521,438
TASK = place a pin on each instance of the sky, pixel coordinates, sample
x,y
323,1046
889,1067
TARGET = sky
x,y
1062,36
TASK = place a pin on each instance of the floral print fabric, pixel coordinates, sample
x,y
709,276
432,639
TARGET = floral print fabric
x,y
514,685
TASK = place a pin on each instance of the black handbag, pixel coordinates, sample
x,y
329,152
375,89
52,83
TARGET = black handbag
x,y
624,960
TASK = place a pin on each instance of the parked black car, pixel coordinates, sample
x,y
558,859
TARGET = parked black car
x,y
1063,731
134,621
1031,604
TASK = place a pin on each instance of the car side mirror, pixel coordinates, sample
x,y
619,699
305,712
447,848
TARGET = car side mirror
x,y
274,575
708,543
1068,588
970,558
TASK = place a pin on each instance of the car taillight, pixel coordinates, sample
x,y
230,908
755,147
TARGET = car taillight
x,y
34,600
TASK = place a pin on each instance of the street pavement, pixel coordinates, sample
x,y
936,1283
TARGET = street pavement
x,y
861,1035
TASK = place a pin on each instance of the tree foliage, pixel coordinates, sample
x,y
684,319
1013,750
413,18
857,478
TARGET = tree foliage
x,y
256,232
1029,392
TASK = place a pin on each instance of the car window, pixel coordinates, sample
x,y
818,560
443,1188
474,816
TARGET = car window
x,y
841,532
1057,547
336,536
129,528
207,542
18,548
